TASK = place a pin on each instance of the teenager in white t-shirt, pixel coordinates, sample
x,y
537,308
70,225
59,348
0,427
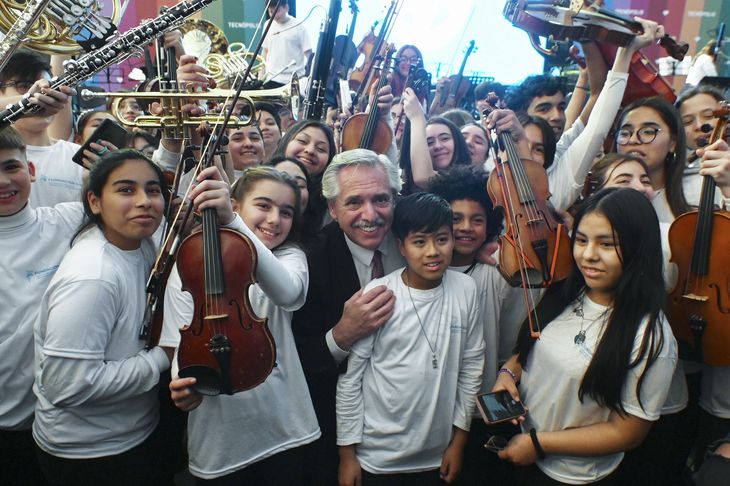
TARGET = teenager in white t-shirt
x,y
503,306
599,374
286,48
95,382
256,436
405,404
33,243
57,178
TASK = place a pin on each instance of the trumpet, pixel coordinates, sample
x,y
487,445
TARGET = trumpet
x,y
173,119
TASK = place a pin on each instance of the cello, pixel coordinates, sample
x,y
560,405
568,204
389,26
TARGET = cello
x,y
699,303
458,88
535,248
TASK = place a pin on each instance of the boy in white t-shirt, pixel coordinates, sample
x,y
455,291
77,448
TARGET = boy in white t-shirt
x,y
286,47
32,244
404,406
57,178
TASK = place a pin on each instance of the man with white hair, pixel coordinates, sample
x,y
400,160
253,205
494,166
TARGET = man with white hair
x,y
360,187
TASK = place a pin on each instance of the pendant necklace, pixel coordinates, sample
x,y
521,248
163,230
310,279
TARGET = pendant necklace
x,y
580,338
434,361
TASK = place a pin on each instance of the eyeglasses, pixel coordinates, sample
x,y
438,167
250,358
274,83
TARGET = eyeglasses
x,y
495,443
20,86
410,60
644,134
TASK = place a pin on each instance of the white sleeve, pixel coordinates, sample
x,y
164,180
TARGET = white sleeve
x,y
472,364
71,213
306,43
657,380
166,159
566,139
178,310
569,173
349,398
73,370
285,287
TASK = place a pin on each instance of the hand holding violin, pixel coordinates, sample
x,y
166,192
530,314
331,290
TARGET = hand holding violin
x,y
184,397
213,192
716,164
506,121
652,32
412,106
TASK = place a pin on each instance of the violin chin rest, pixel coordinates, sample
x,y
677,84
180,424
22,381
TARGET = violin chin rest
x,y
208,380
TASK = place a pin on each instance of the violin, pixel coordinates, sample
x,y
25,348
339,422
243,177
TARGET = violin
x,y
604,26
699,304
458,88
535,248
368,130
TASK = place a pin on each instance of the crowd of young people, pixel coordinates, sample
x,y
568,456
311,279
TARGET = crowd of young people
x,y
377,276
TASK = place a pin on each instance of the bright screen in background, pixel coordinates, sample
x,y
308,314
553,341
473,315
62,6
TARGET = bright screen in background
x,y
442,29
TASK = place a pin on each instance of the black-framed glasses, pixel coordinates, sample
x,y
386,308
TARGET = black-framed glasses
x,y
21,86
495,443
410,60
643,134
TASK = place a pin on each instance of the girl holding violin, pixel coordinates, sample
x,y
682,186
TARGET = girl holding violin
x,y
95,381
599,374
255,437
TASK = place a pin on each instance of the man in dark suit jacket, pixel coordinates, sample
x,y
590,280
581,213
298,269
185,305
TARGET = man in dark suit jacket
x,y
360,188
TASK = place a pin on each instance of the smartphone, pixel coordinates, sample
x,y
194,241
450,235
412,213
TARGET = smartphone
x,y
108,130
499,407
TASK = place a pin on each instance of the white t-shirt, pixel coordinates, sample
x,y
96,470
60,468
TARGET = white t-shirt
x,y
32,244
228,433
551,380
57,178
285,43
701,67
392,403
715,391
96,384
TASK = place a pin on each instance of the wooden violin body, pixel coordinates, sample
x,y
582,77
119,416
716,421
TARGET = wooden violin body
x,y
699,304
535,248
357,125
226,347
452,96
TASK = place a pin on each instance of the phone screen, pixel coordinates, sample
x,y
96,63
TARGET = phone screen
x,y
499,406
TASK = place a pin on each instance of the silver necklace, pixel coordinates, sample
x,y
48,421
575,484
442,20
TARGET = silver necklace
x,y
580,338
434,361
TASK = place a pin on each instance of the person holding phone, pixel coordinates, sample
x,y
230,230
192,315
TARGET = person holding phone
x,y
598,376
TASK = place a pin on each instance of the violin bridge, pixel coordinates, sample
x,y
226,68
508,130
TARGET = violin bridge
x,y
215,316
696,298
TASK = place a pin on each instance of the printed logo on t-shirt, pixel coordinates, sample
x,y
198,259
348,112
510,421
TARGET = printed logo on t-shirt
x,y
31,275
52,181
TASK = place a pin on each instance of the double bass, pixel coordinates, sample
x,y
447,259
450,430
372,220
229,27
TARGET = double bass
x,y
699,303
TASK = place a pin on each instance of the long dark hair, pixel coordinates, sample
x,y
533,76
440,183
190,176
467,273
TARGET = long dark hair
x,y
599,174
676,161
317,205
311,220
98,177
461,151
639,294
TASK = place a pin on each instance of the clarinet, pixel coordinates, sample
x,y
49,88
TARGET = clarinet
x,y
117,50
314,104
20,28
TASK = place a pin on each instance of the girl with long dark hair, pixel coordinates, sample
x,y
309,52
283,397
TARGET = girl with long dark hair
x,y
599,374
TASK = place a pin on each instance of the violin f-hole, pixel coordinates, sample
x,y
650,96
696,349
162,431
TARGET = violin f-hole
x,y
241,320
720,306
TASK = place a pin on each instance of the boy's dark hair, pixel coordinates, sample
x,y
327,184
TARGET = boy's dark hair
x,y
483,89
464,182
421,211
270,109
520,97
10,139
147,136
25,65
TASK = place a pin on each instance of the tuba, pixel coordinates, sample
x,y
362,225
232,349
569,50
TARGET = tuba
x,y
61,23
